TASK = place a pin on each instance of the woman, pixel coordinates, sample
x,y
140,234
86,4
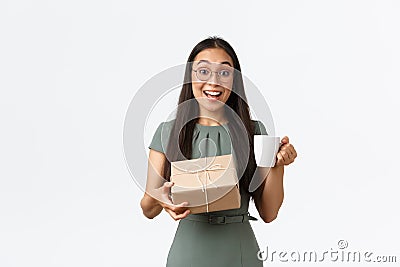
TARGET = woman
x,y
214,86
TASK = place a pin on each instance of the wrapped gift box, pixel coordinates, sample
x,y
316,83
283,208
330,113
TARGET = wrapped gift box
x,y
208,184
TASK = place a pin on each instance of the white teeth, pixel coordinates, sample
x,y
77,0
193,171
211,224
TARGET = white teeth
x,y
213,93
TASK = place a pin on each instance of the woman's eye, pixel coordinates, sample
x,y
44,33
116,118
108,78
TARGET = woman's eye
x,y
225,73
203,71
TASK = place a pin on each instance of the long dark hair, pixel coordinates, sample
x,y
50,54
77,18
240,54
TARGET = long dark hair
x,y
184,124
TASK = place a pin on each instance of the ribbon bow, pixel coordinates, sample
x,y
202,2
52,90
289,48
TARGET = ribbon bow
x,y
214,167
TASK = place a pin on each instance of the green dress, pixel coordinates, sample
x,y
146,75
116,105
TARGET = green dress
x,y
199,244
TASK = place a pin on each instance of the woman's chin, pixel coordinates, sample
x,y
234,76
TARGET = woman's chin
x,y
210,105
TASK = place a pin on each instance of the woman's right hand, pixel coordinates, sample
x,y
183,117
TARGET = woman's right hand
x,y
178,211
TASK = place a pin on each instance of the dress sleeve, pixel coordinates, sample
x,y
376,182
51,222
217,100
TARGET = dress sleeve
x,y
156,142
259,128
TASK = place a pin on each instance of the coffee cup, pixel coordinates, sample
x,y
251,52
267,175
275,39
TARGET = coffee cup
x,y
265,150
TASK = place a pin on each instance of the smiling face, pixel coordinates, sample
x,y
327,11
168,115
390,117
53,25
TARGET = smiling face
x,y
212,79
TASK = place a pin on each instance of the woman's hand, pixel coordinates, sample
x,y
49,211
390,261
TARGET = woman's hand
x,y
178,211
286,153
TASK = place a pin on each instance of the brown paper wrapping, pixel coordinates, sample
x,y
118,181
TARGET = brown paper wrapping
x,y
208,184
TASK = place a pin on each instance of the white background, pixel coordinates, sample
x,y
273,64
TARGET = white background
x,y
68,70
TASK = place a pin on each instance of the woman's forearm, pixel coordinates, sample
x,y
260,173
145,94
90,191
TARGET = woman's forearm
x,y
272,196
150,206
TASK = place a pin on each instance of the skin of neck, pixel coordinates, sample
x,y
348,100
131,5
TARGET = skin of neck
x,y
211,118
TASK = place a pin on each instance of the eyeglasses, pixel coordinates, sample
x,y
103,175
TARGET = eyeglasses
x,y
204,74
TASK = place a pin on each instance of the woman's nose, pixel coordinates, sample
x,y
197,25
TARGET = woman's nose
x,y
213,78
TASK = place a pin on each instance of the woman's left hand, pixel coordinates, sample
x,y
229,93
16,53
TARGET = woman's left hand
x,y
286,153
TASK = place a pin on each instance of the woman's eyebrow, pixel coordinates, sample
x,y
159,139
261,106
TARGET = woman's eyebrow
x,y
223,62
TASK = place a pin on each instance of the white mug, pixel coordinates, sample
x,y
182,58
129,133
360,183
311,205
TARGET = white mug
x,y
265,150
